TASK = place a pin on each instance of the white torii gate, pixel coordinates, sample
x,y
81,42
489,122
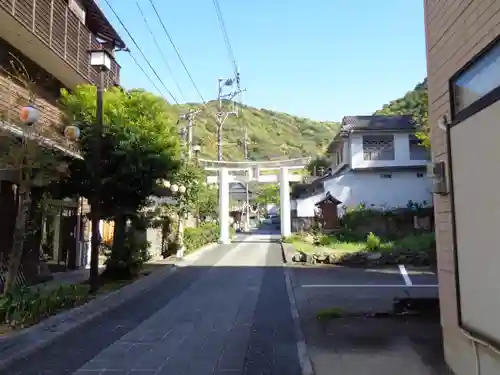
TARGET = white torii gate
x,y
251,171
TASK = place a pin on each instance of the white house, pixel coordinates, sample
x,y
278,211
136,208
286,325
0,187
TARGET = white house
x,y
377,160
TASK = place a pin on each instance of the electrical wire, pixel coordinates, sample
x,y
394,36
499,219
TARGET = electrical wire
x,y
140,51
144,72
160,50
225,36
176,50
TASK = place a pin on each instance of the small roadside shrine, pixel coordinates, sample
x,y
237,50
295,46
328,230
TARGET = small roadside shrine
x,y
328,212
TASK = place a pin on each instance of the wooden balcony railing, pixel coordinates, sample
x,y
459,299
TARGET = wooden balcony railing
x,y
14,96
62,31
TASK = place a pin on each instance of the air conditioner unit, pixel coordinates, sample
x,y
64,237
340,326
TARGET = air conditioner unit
x,y
430,169
437,172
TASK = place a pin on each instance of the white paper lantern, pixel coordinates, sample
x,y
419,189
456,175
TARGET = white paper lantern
x,y
72,132
29,115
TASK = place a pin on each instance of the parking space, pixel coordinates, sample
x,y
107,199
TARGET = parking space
x,y
341,277
363,345
359,290
325,276
423,277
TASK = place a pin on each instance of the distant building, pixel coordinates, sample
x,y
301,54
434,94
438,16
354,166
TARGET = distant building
x,y
376,160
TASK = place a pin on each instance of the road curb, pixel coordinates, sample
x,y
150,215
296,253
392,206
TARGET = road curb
x,y
302,352
21,344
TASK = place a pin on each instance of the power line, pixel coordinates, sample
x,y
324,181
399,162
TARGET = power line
x,y
225,35
140,51
160,50
144,72
176,50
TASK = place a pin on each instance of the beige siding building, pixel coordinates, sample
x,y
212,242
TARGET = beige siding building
x,y
463,63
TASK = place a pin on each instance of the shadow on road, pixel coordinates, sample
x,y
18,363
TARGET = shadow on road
x,y
198,306
193,312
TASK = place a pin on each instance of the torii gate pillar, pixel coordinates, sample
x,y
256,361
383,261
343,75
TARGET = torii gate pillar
x,y
224,235
285,215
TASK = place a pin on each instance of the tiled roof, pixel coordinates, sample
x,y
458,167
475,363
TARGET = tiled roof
x,y
404,122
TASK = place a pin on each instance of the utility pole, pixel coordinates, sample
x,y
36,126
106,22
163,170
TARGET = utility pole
x,y
247,192
190,119
221,114
245,155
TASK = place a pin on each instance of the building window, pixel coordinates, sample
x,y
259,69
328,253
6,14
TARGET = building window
x,y
477,80
378,147
417,151
386,175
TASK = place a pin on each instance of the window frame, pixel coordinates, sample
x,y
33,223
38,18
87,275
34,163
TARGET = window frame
x,y
460,114
382,136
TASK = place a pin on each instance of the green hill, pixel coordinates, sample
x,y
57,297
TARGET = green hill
x,y
272,135
415,103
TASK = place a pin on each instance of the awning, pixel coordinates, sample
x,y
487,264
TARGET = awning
x,y
98,23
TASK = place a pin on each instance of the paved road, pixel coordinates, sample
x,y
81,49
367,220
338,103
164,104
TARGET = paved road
x,y
359,290
228,314
359,346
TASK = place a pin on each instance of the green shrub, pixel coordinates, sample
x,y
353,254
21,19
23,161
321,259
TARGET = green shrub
x,y
207,233
360,215
299,236
327,241
127,262
349,235
172,248
26,306
373,242
419,242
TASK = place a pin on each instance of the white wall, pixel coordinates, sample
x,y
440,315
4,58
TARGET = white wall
x,y
401,153
354,188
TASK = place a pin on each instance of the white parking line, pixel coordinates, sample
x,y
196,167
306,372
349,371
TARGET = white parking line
x,y
367,286
405,275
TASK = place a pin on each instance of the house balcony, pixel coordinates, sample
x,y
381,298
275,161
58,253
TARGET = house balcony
x,y
49,128
49,33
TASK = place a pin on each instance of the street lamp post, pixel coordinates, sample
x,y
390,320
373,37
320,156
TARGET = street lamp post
x,y
178,191
101,60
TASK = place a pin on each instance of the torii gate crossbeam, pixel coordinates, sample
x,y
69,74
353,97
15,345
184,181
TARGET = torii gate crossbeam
x,y
252,170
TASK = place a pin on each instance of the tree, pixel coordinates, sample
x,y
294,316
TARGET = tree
x,y
413,103
139,146
207,204
270,194
34,163
318,166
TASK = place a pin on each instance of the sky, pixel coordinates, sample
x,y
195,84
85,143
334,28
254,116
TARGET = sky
x,y
322,59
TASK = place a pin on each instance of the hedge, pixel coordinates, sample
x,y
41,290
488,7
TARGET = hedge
x,y
205,234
